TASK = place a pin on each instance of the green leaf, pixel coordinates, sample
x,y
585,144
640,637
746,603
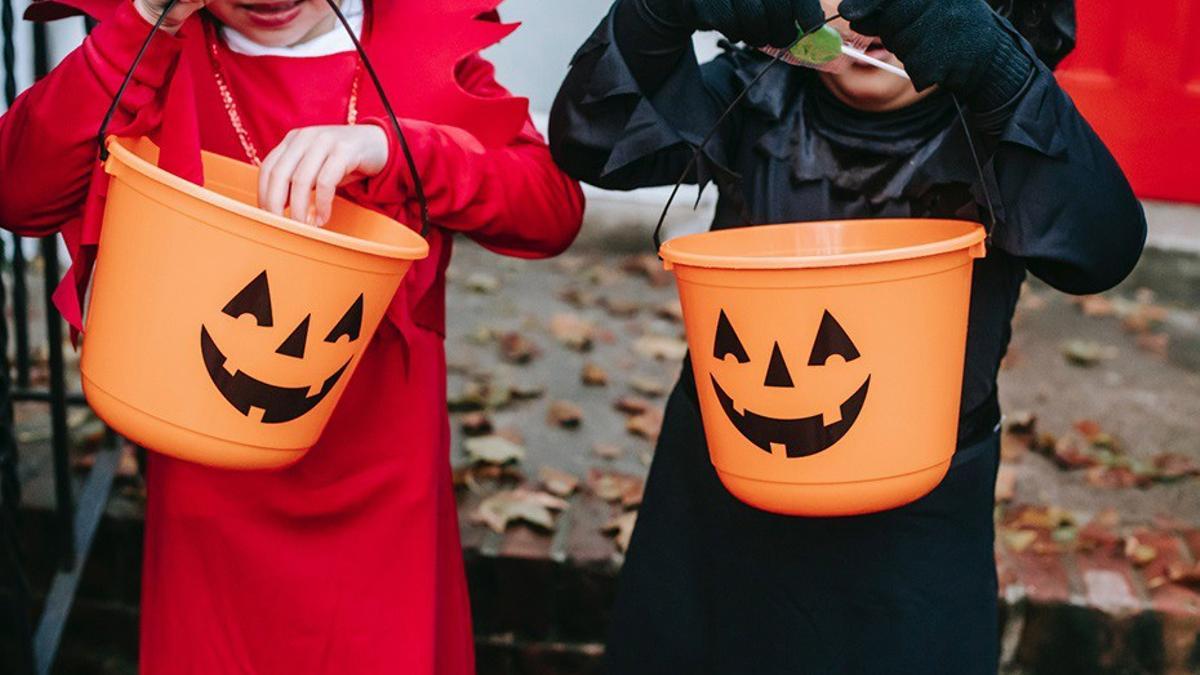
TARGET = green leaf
x,y
823,46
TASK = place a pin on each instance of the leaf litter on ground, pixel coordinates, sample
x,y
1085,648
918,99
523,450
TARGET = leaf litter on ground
x,y
534,507
564,414
558,482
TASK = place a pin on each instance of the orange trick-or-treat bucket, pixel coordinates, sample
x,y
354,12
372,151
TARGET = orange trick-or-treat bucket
x,y
218,332
828,357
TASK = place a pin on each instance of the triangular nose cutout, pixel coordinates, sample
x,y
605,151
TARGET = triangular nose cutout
x,y
777,371
294,344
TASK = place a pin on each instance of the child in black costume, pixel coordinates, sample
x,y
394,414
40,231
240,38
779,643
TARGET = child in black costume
x,y
710,584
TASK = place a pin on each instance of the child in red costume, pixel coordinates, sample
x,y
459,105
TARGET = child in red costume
x,y
347,562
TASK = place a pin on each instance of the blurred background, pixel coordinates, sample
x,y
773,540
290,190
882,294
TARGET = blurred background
x,y
558,372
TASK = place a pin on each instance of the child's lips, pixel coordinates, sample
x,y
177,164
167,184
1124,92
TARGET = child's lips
x,y
272,14
877,50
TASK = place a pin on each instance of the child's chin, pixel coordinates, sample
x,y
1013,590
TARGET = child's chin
x,y
872,90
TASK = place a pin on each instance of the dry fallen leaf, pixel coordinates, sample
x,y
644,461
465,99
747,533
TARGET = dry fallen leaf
x,y
603,275
1085,353
1101,531
1158,344
523,390
661,347
572,331
475,424
647,386
558,482
1013,447
1138,553
1022,422
518,505
1040,518
646,425
621,308
622,527
1019,540
493,449
613,486
577,297
1173,466
478,395
1006,483
518,349
471,476
593,376
1095,305
609,451
632,498
1141,317
1185,574
564,414
482,282
632,405
1072,452
1114,477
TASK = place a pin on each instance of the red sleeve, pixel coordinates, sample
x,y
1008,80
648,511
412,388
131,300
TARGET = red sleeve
x,y
513,200
48,136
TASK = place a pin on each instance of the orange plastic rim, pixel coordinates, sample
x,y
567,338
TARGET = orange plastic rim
x,y
222,334
828,357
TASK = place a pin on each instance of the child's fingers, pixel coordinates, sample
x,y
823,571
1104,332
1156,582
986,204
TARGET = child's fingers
x,y
280,178
265,171
336,167
304,178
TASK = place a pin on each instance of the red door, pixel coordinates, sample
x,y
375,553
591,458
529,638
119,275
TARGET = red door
x,y
1136,78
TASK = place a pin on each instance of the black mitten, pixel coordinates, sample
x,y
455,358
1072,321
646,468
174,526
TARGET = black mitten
x,y
756,22
958,44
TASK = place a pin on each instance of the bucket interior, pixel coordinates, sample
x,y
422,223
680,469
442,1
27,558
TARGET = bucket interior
x,y
822,244
239,181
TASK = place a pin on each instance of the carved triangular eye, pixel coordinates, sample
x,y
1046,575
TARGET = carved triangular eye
x,y
727,342
255,300
350,324
831,340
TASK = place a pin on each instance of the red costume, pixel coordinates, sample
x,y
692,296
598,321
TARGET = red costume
x,y
347,562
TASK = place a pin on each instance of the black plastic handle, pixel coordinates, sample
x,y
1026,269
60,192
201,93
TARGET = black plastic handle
x,y
418,186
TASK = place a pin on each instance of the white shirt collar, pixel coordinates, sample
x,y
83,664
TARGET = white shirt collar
x,y
334,41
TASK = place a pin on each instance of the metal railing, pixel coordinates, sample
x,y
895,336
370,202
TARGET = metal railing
x,y
77,514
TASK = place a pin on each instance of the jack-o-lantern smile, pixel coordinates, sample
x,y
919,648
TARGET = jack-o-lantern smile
x,y
800,436
243,391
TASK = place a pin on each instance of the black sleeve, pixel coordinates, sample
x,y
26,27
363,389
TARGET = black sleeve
x,y
605,129
1065,206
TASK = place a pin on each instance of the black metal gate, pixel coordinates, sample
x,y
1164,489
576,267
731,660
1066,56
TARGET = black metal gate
x,y
77,514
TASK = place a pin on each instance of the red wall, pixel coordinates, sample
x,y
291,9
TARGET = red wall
x,y
1136,77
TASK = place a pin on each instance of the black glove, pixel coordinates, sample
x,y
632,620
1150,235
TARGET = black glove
x,y
958,44
756,22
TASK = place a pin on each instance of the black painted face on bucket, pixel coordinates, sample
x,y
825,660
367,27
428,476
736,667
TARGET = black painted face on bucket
x,y
244,392
799,436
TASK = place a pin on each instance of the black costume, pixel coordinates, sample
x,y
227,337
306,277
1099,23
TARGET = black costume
x,y
712,585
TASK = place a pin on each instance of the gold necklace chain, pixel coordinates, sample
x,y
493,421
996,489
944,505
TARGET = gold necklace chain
x,y
231,107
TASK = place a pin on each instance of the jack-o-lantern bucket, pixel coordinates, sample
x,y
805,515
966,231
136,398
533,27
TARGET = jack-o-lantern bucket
x,y
828,357
218,332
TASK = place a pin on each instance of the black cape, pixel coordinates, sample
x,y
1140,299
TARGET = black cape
x,y
711,585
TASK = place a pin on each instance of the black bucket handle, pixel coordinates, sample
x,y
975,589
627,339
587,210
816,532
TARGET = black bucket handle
x,y
418,186
687,170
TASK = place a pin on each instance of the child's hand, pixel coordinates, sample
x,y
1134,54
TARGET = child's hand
x,y
152,9
320,159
